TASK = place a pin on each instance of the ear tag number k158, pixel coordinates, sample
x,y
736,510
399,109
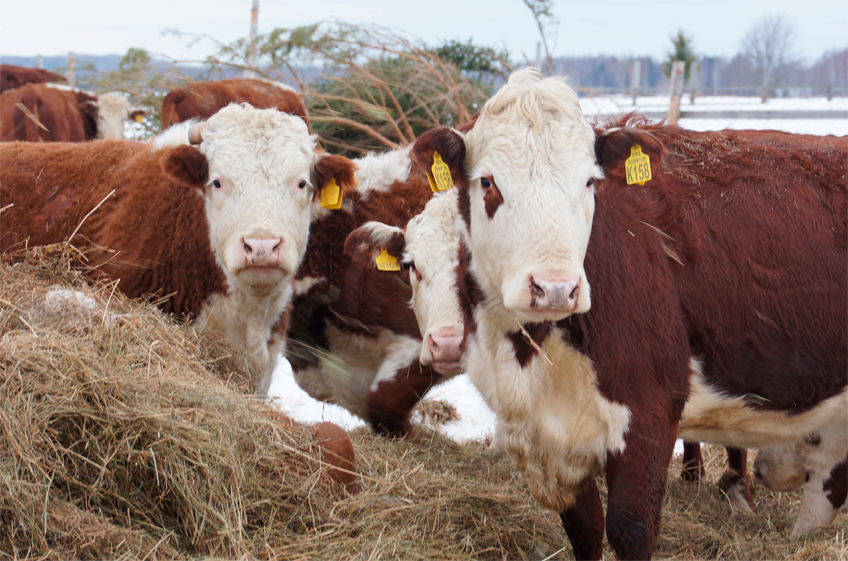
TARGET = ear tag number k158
x,y
386,262
637,166
441,179
331,195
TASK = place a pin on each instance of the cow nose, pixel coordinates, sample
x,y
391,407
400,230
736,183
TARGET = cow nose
x,y
446,346
262,252
554,291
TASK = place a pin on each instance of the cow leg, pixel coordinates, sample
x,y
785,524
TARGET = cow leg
x,y
693,462
584,523
823,496
734,481
636,480
390,403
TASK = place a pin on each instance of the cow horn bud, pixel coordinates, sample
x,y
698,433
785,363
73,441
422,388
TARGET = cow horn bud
x,y
195,135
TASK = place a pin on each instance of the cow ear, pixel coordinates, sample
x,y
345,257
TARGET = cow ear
x,y
88,110
186,164
372,237
613,147
137,114
450,144
338,168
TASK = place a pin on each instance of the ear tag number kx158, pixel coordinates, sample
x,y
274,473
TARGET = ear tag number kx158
x,y
441,179
637,166
331,195
386,262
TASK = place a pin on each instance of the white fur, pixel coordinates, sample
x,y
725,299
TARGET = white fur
x,y
432,243
378,171
302,286
176,135
552,420
710,416
112,110
532,139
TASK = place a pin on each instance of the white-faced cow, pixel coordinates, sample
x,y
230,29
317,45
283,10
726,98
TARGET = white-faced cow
x,y
12,76
354,339
214,230
717,312
201,100
56,113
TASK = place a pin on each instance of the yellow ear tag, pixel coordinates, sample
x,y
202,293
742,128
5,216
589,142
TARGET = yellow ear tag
x,y
637,166
331,195
386,262
139,118
441,180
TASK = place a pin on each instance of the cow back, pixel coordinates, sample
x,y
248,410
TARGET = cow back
x,y
40,113
12,76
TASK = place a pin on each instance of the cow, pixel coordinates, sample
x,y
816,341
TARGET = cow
x,y
606,318
56,113
211,219
353,338
12,76
808,463
201,100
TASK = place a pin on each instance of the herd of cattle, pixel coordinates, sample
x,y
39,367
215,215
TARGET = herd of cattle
x,y
600,317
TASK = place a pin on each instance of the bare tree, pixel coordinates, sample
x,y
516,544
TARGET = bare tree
x,y
547,24
770,46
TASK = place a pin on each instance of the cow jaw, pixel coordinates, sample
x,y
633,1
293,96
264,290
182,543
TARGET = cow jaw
x,y
530,199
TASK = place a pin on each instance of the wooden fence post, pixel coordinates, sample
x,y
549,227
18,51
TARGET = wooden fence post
x,y
675,91
70,73
635,79
251,49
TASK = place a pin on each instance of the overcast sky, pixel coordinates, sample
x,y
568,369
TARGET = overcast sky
x,y
616,27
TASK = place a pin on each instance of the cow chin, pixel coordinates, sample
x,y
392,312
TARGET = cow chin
x,y
447,368
261,281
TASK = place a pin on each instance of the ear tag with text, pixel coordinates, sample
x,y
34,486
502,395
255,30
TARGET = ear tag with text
x,y
386,262
441,179
139,118
331,195
637,166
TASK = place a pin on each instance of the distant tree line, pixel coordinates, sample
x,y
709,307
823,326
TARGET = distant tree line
x,y
710,75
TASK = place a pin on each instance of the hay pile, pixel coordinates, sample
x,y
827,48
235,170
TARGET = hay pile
x,y
132,438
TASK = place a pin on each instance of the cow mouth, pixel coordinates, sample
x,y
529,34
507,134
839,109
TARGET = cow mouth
x,y
448,367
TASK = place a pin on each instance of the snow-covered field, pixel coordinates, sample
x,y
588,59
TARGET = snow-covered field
x,y
476,420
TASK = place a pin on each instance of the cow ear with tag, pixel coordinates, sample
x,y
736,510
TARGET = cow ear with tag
x,y
440,153
615,146
379,243
333,177
186,164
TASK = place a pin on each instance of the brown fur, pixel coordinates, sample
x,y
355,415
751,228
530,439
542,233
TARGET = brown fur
x,y
66,116
736,252
154,226
369,300
12,76
201,100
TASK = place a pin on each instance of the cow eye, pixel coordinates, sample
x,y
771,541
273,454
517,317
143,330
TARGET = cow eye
x,y
485,183
302,184
217,183
590,182
409,265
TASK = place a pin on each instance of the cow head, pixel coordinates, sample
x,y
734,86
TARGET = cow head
x,y
428,248
525,173
110,111
263,178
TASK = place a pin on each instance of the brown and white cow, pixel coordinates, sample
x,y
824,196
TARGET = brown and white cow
x,y
808,464
215,231
57,113
201,100
12,76
718,308
354,339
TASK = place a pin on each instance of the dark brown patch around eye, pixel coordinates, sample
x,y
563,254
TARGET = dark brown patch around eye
x,y
491,196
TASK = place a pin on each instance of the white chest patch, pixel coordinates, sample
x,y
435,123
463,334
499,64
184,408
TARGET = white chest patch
x,y
246,322
356,365
710,416
552,420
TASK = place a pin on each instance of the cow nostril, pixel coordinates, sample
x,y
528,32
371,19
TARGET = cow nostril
x,y
247,247
573,294
536,291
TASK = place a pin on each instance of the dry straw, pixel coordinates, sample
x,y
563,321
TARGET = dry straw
x,y
124,435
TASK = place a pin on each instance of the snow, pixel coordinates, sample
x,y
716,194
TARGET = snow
x,y
477,421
